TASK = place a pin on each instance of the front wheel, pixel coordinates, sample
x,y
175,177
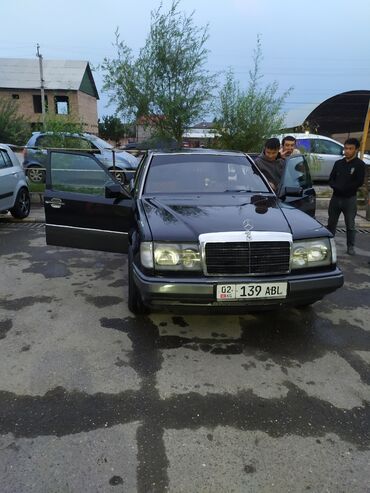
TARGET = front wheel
x,y
118,174
36,174
22,204
134,302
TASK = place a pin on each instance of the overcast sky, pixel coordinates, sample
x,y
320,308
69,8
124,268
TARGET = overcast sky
x,y
320,48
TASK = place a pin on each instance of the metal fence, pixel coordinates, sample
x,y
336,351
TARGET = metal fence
x,y
114,170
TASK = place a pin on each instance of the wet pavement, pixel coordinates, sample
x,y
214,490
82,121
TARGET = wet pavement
x,y
94,399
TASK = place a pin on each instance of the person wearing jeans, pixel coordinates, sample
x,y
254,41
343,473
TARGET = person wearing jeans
x,y
346,178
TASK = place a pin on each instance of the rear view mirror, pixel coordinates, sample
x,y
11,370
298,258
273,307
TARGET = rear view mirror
x,y
114,191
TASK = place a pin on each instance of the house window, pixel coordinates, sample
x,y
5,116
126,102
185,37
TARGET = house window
x,y
37,103
15,96
61,105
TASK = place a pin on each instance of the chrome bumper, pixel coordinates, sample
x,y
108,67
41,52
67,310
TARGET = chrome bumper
x,y
303,288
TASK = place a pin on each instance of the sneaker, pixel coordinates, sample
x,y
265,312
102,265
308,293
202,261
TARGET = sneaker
x,y
351,250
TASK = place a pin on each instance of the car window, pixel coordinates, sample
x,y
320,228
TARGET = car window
x,y
5,161
50,141
78,143
323,146
304,145
100,143
297,173
2,161
202,174
77,173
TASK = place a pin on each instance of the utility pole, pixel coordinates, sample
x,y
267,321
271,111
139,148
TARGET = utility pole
x,y
365,134
42,85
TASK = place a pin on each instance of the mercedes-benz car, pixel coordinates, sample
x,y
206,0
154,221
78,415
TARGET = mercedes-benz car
x,y
200,227
14,193
35,153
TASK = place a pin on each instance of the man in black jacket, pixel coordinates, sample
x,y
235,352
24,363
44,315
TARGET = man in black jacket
x,y
346,178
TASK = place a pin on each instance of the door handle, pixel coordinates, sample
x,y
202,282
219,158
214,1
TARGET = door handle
x,y
55,203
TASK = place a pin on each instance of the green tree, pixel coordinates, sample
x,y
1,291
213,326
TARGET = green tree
x,y
245,118
14,128
112,128
58,125
167,83
62,124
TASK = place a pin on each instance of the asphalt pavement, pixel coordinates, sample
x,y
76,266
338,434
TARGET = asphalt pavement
x,y
94,399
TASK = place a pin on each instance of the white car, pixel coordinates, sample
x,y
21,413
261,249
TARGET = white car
x,y
321,153
14,193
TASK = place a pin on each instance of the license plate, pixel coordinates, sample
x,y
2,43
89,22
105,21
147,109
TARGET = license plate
x,y
251,291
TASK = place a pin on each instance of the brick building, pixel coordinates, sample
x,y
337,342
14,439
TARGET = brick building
x,y
69,89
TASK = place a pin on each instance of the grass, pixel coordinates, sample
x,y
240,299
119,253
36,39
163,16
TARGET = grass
x,y
36,187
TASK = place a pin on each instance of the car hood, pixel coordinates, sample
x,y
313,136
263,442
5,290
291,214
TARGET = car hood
x,y
126,157
184,218
123,159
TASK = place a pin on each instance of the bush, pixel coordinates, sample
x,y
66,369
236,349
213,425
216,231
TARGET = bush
x,y
14,128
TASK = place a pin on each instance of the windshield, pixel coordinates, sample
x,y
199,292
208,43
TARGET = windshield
x,y
206,173
100,142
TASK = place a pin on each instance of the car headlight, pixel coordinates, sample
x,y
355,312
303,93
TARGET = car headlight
x,y
171,256
313,253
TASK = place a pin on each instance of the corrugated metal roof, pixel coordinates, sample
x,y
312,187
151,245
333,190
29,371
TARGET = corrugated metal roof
x,y
23,73
338,113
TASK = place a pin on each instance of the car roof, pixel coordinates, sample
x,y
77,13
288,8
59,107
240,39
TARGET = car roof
x,y
77,134
186,150
5,147
35,135
8,148
307,136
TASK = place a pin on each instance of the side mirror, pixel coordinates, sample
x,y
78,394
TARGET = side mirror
x,y
290,192
114,191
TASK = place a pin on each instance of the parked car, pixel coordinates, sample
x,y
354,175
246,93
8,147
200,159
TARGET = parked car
x,y
321,153
14,193
35,153
201,228
153,143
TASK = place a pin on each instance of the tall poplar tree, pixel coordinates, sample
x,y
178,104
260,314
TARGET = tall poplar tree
x,y
167,85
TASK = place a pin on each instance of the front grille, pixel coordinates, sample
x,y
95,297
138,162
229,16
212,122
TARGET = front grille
x,y
246,258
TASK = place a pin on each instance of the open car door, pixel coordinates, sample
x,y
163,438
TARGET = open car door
x,y
85,207
296,177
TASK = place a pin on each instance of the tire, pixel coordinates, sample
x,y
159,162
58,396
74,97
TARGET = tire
x,y
119,175
134,302
36,174
22,204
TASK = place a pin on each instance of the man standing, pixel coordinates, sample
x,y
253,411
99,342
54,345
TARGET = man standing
x,y
288,147
346,178
269,163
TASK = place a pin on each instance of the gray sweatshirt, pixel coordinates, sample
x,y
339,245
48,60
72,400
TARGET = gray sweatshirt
x,y
273,170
